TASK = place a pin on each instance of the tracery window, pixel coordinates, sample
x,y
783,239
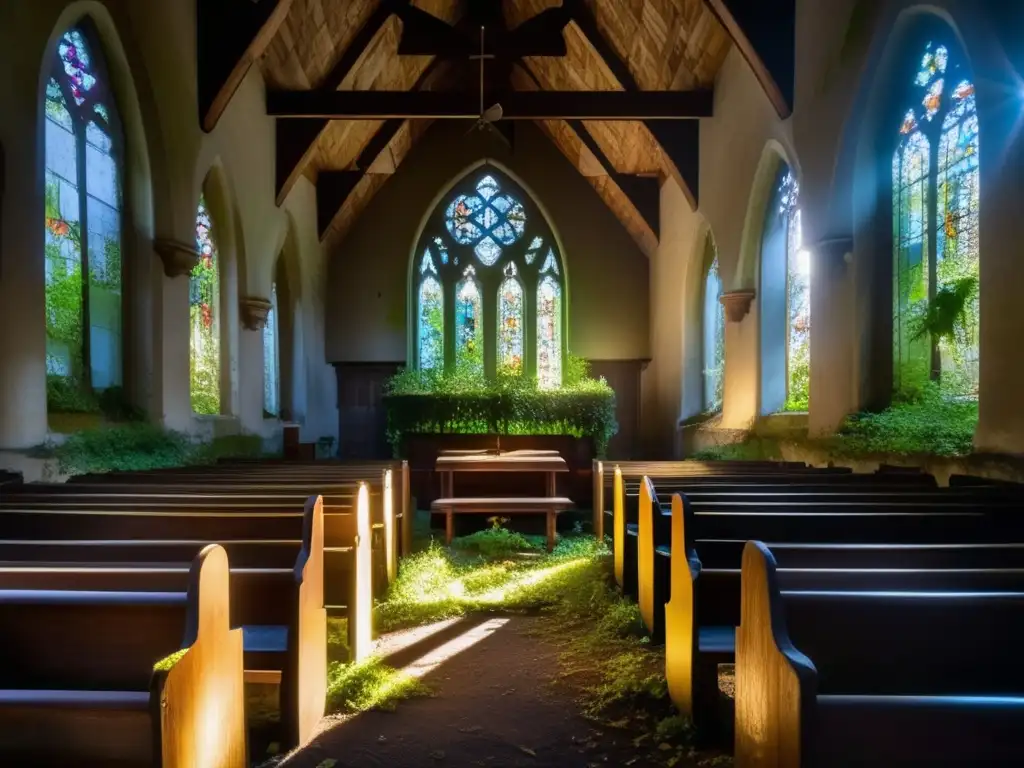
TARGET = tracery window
x,y
489,285
271,364
83,195
935,183
204,318
713,343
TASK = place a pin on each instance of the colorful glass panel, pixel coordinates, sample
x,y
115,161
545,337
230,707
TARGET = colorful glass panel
x,y
549,333
798,300
442,248
204,316
469,325
430,334
82,183
510,320
488,220
550,263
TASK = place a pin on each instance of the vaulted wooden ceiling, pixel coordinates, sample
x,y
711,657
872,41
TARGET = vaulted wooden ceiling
x,y
310,49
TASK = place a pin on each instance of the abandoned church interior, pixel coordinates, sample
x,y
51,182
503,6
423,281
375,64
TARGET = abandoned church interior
x,y
391,354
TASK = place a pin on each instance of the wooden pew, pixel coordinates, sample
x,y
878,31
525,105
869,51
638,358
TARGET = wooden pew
x,y
875,678
282,611
121,678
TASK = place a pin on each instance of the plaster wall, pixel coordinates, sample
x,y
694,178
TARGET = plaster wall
x,y
368,276
151,54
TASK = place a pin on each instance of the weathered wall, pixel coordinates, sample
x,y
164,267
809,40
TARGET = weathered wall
x,y
150,50
368,274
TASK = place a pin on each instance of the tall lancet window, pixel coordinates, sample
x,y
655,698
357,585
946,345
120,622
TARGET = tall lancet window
x,y
713,342
936,201
83,195
798,300
204,318
271,364
489,285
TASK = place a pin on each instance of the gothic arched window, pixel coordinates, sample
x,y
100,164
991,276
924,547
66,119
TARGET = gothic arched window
x,y
204,318
713,341
84,162
489,285
935,183
785,301
271,367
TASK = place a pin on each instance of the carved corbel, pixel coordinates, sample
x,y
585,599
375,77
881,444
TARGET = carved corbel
x,y
254,312
737,303
179,258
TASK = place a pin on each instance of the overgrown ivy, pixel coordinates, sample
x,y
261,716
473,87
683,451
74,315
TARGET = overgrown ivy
x,y
464,401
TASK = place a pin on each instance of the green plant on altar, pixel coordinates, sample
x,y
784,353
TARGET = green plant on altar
x,y
464,401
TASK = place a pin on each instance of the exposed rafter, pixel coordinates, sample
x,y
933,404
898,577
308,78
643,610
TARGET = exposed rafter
x,y
296,138
231,35
516,105
680,139
765,33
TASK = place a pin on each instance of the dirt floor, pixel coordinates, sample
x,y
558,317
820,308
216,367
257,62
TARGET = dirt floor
x,y
496,703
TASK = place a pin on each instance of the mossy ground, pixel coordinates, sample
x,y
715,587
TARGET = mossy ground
x,y
605,661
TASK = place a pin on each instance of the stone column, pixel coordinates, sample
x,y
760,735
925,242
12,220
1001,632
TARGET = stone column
x,y
836,331
179,259
254,312
739,408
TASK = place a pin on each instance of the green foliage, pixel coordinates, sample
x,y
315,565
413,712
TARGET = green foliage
x,y
463,401
371,684
142,446
929,423
165,664
495,541
946,315
754,448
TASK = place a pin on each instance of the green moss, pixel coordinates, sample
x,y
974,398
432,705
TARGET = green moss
x,y
165,664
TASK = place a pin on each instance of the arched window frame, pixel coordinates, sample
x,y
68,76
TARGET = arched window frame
x,y
534,256
935,100
91,85
712,332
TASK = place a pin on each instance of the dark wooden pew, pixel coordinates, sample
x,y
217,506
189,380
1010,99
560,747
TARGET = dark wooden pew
x,y
876,678
123,678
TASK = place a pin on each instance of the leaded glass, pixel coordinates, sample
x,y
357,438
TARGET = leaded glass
x,y
442,249
488,219
510,320
82,184
469,326
798,299
427,263
550,263
937,159
271,368
714,337
430,332
204,305
549,333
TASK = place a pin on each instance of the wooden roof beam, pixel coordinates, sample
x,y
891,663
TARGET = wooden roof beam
x,y
765,33
296,138
679,140
231,35
650,106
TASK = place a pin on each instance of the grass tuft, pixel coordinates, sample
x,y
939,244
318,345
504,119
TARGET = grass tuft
x,y
371,684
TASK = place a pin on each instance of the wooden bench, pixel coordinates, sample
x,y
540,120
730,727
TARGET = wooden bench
x,y
118,678
874,678
280,605
550,506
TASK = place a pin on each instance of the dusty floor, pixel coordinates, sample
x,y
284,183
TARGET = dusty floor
x,y
495,703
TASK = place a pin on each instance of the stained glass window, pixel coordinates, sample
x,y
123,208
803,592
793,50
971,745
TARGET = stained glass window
x,y
487,220
83,202
714,334
469,327
430,323
271,367
502,309
510,320
798,300
936,200
204,318
549,333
